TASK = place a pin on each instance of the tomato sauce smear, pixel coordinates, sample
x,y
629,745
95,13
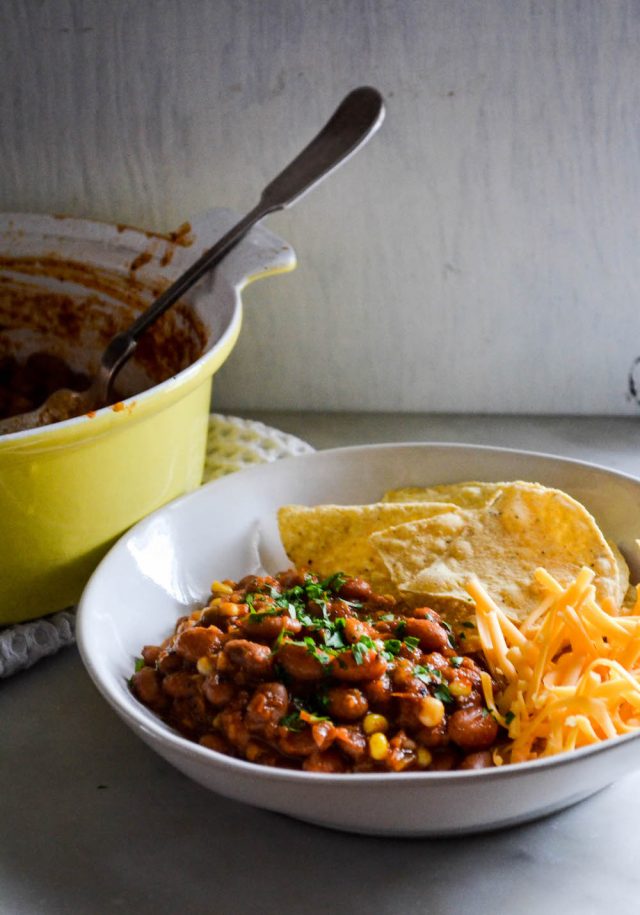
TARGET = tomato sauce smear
x,y
320,675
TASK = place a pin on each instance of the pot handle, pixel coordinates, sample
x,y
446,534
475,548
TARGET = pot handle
x,y
259,254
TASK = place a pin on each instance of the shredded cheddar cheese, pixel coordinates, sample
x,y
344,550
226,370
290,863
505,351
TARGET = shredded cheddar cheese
x,y
571,670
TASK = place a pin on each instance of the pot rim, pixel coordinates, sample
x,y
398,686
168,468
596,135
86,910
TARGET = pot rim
x,y
268,255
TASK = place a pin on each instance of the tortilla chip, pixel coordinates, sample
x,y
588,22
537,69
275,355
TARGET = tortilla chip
x,y
524,527
332,538
470,494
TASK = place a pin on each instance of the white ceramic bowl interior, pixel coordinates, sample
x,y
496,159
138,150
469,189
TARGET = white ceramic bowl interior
x,y
164,566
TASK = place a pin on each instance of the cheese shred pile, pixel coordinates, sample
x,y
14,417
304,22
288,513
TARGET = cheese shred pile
x,y
571,670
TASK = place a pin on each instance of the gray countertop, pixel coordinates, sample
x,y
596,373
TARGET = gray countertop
x,y
92,821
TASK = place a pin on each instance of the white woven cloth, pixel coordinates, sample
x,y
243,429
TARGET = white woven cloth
x,y
233,444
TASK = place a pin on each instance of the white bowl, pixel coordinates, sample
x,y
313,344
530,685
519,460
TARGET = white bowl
x,y
165,565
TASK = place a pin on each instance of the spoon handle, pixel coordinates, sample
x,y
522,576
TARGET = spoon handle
x,y
355,120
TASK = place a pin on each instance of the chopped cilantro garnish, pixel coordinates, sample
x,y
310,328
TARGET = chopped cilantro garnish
x,y
256,616
426,673
317,652
509,717
469,625
334,582
333,637
456,661
411,641
392,648
292,722
432,677
309,712
450,635
443,693
361,648
278,641
139,664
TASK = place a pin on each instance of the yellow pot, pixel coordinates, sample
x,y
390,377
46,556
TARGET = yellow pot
x,y
68,490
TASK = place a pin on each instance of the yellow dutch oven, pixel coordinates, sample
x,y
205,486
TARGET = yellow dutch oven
x,y
68,490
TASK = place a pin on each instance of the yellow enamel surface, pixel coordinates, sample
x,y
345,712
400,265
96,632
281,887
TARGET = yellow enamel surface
x,y
67,492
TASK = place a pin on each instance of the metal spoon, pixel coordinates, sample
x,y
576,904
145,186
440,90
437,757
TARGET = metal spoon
x,y
355,120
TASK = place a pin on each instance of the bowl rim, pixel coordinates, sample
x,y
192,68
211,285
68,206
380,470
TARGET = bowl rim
x,y
143,720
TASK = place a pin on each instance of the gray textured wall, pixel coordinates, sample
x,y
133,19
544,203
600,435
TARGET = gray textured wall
x,y
483,253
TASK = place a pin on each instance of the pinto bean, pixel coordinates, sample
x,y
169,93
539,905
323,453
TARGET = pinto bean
x,y
269,627
379,692
354,629
327,761
168,661
444,760
475,698
217,691
214,742
147,686
431,635
338,607
189,713
402,676
292,578
408,712
261,754
480,760
231,723
265,709
351,741
345,667
299,663
150,654
425,613
433,737
347,703
297,743
255,584
355,589
323,733
181,684
437,660
251,660
402,752
473,729
197,642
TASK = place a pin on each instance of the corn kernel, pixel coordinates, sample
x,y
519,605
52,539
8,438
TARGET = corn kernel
x,y
431,712
226,608
372,723
219,587
459,687
204,666
378,746
424,757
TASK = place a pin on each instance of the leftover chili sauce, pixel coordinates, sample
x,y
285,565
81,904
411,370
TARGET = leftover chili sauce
x,y
324,676
25,385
